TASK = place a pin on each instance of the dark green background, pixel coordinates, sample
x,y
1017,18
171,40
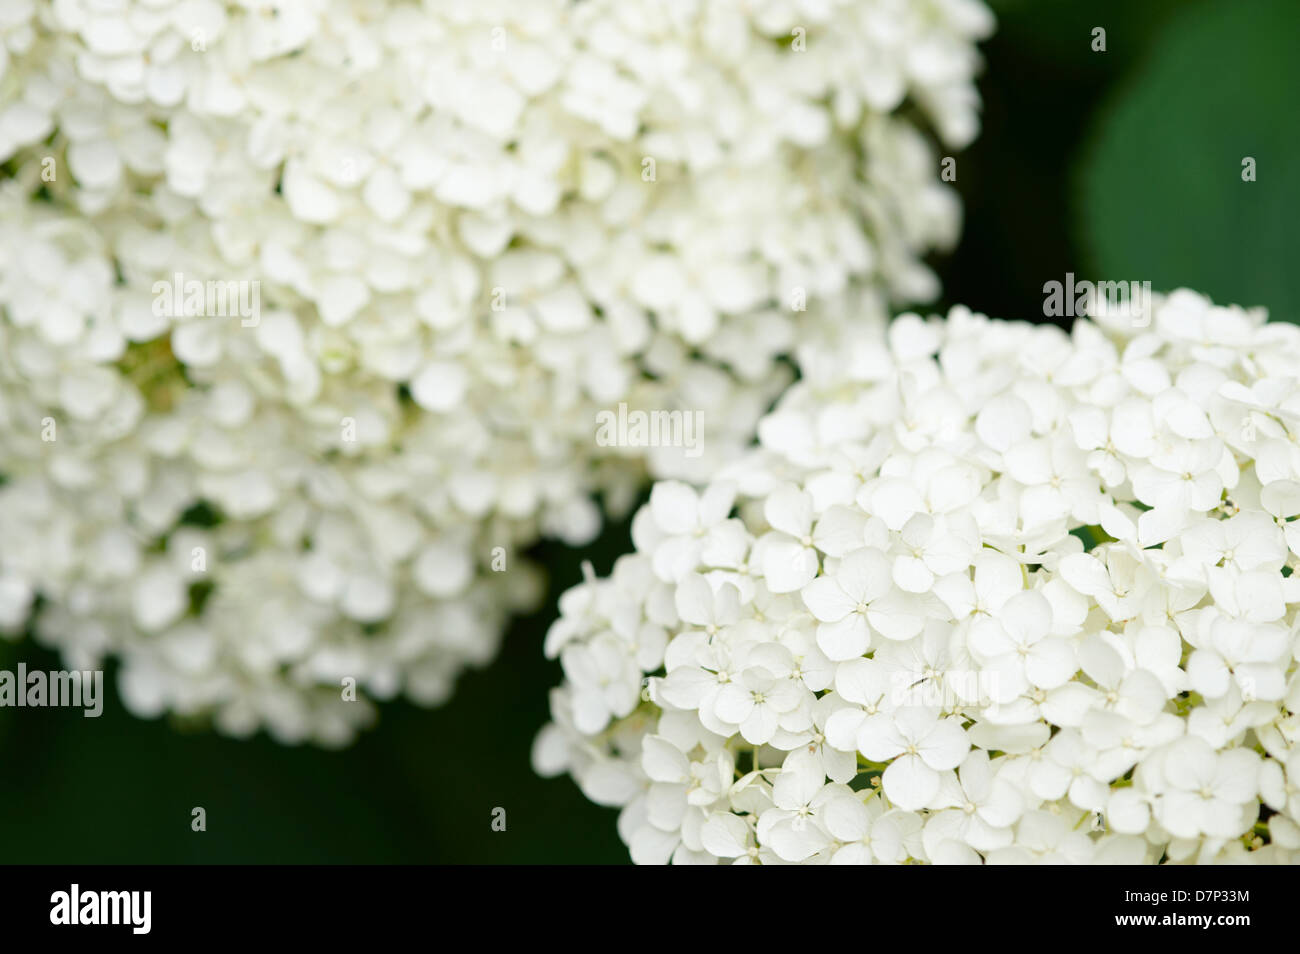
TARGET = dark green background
x,y
1118,165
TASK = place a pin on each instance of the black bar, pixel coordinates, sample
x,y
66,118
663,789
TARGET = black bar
x,y
366,904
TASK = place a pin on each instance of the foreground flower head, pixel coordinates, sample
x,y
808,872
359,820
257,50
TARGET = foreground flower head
x,y
987,591
307,311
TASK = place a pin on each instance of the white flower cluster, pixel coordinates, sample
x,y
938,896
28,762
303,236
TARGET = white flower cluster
x,y
464,229
987,591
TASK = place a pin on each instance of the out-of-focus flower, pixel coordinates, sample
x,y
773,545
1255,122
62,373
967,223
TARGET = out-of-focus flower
x,y
310,309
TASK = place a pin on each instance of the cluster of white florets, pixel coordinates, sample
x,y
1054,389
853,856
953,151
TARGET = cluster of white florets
x,y
987,591
468,227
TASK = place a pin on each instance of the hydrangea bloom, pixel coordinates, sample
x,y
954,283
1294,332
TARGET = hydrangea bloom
x,y
469,228
986,591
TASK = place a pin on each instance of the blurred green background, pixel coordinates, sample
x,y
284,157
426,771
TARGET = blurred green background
x,y
1122,165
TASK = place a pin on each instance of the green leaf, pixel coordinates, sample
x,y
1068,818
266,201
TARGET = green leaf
x,y
1160,195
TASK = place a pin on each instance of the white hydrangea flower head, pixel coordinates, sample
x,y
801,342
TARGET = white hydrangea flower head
x,y
470,228
986,592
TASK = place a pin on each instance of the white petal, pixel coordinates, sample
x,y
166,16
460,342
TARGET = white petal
x,y
725,835
662,761
848,638
826,600
910,783
789,510
788,566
